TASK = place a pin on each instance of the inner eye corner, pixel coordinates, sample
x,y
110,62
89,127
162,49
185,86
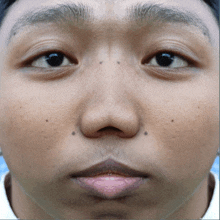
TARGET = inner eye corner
x,y
145,60
75,61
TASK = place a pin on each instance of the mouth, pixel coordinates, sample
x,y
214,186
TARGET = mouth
x,y
110,179
110,167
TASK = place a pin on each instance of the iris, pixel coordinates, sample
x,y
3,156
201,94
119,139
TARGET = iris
x,y
165,59
54,59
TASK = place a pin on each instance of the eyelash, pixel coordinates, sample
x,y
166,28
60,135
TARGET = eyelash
x,y
33,58
189,61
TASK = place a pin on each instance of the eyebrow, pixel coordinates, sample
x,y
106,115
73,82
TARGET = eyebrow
x,y
140,14
78,14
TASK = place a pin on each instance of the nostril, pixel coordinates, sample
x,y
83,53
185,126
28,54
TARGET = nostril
x,y
109,128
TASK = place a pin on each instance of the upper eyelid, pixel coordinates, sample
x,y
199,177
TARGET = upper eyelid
x,y
43,54
177,47
179,50
41,48
175,55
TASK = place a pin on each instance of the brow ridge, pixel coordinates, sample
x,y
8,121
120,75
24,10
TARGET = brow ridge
x,y
141,13
79,14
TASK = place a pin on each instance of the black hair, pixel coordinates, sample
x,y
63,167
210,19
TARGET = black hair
x,y
5,4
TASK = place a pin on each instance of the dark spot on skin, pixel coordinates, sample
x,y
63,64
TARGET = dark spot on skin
x,y
145,133
198,107
101,62
73,133
118,62
46,120
172,120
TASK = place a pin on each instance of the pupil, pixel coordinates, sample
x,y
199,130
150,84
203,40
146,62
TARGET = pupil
x,y
164,59
54,59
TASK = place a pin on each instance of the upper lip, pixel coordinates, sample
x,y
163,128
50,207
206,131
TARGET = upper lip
x,y
109,166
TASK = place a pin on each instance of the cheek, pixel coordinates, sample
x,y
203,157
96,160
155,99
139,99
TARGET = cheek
x,y
32,134
187,133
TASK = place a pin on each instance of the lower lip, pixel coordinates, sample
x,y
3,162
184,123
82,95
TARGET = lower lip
x,y
110,186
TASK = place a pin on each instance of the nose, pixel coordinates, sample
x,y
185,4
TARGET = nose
x,y
110,111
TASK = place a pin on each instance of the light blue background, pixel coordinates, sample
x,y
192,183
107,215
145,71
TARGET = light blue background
x,y
4,168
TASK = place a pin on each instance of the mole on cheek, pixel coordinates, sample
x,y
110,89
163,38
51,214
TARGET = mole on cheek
x,y
145,133
73,133
46,120
172,121
118,62
101,62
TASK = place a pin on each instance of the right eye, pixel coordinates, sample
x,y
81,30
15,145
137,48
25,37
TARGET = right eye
x,y
54,59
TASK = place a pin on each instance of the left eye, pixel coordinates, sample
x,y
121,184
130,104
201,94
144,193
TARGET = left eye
x,y
168,60
55,59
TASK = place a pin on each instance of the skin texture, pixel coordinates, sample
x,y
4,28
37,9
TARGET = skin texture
x,y
159,120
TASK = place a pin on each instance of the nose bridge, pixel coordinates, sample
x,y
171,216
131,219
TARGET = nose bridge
x,y
110,104
111,51
110,79
112,83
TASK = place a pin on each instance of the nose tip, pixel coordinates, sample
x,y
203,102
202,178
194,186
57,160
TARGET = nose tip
x,y
123,124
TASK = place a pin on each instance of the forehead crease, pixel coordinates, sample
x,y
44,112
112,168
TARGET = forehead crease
x,y
143,12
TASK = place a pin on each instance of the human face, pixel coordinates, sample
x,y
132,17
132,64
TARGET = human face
x,y
109,99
